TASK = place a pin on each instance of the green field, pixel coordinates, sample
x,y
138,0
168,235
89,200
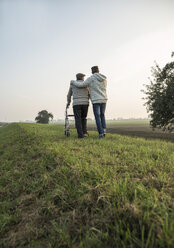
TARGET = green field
x,y
3,124
64,192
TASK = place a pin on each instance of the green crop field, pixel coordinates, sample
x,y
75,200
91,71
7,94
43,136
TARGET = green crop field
x,y
64,192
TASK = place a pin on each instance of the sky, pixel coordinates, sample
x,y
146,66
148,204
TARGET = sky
x,y
44,43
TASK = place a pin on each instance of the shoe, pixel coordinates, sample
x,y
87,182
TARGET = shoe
x,y
101,136
104,130
85,134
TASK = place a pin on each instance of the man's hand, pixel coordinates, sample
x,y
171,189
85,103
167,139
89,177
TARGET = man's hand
x,y
72,82
67,105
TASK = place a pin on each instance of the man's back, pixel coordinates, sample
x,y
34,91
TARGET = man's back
x,y
80,95
97,86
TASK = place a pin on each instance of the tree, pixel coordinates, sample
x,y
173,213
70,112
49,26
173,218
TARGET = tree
x,y
43,117
160,97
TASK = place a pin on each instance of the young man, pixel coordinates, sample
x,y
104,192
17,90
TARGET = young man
x,y
80,105
97,84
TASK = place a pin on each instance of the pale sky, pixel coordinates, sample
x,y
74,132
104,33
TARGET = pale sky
x,y
44,43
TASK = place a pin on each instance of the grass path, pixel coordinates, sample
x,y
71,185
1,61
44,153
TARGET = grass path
x,y
64,192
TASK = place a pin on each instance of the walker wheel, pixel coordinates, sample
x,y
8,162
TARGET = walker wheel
x,y
67,133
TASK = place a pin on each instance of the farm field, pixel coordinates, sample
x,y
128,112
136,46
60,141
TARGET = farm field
x,y
2,124
64,192
135,128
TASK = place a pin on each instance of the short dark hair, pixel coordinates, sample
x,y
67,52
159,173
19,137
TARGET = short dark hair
x,y
94,69
79,76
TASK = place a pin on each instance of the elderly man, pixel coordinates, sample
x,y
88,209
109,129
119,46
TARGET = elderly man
x,y
80,105
97,86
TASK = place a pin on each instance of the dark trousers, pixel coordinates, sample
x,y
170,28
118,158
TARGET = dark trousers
x,y
80,114
99,113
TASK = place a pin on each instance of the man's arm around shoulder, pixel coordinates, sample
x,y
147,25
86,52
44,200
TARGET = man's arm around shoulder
x,y
81,84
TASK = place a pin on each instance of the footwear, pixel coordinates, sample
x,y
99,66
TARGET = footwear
x,y
85,134
101,136
104,130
